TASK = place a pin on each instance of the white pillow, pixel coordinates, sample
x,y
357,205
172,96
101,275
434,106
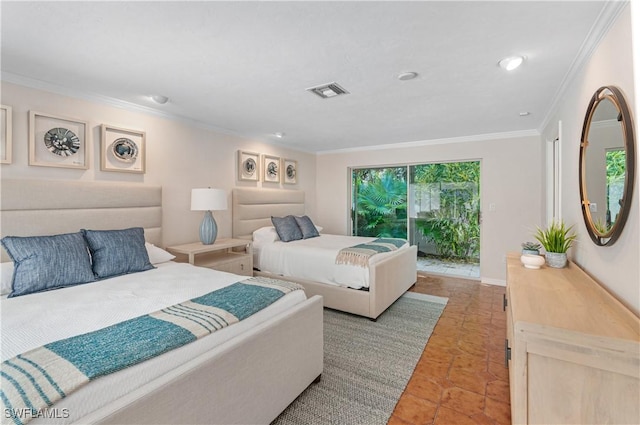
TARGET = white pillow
x,y
6,277
266,235
158,255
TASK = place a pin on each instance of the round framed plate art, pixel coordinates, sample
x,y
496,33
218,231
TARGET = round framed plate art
x,y
271,166
122,150
62,141
290,168
248,166
57,141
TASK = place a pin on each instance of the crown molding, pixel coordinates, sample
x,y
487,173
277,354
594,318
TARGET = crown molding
x,y
607,17
420,143
106,100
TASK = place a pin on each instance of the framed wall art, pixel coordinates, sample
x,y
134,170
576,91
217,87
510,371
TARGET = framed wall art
x,y
271,169
58,141
248,166
5,134
289,171
122,150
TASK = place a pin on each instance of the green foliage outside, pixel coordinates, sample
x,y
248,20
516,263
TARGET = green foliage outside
x,y
381,199
380,206
454,227
616,165
616,172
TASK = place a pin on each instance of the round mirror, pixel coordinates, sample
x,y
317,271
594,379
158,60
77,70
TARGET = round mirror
x,y
607,165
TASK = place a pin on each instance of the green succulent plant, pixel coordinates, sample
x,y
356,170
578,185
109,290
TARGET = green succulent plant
x,y
557,237
531,246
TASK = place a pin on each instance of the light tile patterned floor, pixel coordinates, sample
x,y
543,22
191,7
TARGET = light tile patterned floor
x,y
435,266
461,378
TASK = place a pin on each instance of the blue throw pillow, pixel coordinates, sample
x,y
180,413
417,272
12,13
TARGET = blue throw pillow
x,y
42,263
287,228
307,227
117,252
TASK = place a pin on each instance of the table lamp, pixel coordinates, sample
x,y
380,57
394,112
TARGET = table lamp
x,y
208,200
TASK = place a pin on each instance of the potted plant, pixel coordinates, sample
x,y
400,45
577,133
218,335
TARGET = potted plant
x,y
556,239
532,248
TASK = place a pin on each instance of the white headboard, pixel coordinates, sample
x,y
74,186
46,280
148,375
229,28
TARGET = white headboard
x,y
253,208
49,207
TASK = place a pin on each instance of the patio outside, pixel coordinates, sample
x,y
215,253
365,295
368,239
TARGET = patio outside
x,y
433,265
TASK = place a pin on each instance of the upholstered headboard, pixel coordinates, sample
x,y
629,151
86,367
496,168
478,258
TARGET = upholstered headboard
x,y
253,208
49,207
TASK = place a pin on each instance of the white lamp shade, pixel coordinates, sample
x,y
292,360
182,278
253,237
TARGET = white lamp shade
x,y
208,199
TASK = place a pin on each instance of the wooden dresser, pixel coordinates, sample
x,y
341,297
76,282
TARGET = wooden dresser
x,y
573,350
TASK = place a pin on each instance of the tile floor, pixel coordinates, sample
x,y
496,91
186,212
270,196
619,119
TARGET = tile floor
x,y
461,378
435,266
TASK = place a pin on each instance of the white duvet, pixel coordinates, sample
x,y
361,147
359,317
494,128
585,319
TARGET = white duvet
x,y
33,320
315,259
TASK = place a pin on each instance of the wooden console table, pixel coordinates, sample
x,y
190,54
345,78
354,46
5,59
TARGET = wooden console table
x,y
573,350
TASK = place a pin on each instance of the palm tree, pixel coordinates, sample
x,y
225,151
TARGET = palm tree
x,y
381,203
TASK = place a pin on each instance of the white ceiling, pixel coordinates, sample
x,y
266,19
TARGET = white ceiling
x,y
243,67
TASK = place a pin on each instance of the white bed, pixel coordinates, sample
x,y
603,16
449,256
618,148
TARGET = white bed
x,y
245,373
387,277
315,259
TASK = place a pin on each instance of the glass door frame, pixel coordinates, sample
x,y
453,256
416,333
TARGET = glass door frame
x,y
351,191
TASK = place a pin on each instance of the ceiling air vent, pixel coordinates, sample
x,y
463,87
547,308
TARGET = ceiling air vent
x,y
326,91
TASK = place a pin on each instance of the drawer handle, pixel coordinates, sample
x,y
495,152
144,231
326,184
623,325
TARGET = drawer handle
x,y
507,353
504,302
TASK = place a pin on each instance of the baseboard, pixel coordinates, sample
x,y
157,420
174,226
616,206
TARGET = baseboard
x,y
491,281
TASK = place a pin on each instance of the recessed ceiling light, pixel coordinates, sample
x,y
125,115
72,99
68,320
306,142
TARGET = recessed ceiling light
x,y
279,135
524,114
158,98
407,76
511,63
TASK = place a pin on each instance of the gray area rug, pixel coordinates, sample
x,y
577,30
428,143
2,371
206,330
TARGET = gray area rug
x,y
367,365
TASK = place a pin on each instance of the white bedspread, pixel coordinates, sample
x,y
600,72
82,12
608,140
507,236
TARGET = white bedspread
x,y
315,259
34,320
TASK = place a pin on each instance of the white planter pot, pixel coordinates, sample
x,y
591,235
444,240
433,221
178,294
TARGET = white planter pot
x,y
532,261
557,260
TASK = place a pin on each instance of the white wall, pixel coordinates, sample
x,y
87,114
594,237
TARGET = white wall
x,y
616,267
635,28
510,179
179,157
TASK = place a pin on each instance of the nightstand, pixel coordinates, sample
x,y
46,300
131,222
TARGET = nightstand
x,y
227,255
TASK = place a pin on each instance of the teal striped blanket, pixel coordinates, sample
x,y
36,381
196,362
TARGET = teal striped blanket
x,y
358,255
31,382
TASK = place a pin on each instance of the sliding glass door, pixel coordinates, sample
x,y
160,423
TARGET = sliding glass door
x,y
434,206
444,209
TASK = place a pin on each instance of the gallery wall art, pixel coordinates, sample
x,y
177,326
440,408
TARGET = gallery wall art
x,y
289,171
122,150
271,168
6,141
248,166
56,141
253,166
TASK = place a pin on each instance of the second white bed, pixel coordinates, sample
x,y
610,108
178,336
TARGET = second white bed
x,y
315,259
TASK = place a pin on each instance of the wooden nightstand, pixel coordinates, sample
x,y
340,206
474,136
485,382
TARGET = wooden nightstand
x,y
227,255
